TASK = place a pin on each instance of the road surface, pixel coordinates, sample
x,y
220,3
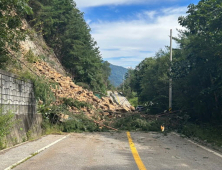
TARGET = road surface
x,y
113,151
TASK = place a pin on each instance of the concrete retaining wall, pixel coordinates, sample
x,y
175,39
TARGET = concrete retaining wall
x,y
18,97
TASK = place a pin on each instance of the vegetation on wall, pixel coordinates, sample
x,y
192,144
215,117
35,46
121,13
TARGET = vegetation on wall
x,y
6,123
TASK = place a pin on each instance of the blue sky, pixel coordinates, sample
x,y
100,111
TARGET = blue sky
x,y
128,31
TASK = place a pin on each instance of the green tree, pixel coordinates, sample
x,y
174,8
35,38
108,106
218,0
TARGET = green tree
x,y
106,72
197,70
154,83
150,81
66,31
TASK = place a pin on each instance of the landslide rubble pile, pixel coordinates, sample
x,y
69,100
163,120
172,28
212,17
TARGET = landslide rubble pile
x,y
68,89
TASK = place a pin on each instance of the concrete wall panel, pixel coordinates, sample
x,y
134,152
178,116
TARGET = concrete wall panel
x,y
17,96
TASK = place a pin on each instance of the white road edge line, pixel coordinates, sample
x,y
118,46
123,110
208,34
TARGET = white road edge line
x,y
203,147
36,152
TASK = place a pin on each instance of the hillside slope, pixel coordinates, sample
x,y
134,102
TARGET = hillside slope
x,y
35,45
38,58
117,75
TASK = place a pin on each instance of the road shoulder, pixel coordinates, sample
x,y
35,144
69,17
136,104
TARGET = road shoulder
x,y
18,154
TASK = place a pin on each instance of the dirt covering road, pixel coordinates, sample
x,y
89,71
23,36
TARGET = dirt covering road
x,y
111,151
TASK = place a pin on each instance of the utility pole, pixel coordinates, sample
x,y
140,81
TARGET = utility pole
x,y
170,81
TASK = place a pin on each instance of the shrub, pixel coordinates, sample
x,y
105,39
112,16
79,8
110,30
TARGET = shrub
x,y
49,128
78,104
135,122
83,85
30,57
205,132
134,101
42,87
6,122
79,123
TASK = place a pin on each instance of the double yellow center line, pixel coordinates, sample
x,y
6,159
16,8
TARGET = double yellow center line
x,y
136,155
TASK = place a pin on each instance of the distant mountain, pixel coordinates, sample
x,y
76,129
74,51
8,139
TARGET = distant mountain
x,y
117,74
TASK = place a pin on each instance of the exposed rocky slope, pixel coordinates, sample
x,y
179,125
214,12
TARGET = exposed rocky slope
x,y
35,42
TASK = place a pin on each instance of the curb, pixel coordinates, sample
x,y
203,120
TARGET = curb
x,y
36,152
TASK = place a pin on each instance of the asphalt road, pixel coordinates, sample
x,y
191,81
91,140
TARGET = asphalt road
x,y
111,151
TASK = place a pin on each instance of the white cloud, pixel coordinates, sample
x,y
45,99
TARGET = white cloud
x,y
93,3
174,10
133,37
151,14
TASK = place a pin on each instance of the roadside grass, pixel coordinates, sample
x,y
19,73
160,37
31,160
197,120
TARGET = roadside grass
x,y
79,123
204,132
7,121
49,128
